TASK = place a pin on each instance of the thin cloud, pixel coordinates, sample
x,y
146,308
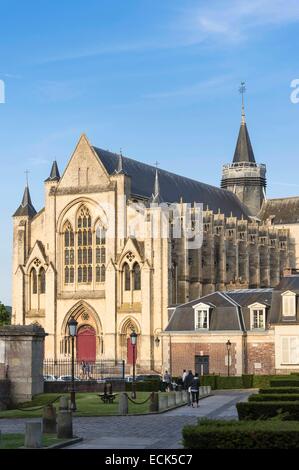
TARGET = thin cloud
x,y
192,90
235,20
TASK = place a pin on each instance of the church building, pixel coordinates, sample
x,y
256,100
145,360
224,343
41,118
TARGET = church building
x,y
84,255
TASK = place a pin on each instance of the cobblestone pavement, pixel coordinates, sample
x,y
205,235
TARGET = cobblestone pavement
x,y
145,432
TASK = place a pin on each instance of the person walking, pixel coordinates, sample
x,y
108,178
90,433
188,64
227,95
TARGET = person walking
x,y
167,381
83,368
187,385
184,376
195,390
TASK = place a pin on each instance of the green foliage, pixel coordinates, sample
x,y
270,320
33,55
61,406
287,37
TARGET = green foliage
x,y
4,315
263,381
147,386
284,382
209,380
266,410
223,434
279,390
247,380
274,397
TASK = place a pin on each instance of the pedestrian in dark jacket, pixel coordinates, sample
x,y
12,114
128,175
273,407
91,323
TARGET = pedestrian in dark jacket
x,y
195,390
187,384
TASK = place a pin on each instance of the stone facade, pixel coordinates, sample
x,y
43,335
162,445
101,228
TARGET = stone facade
x,y
128,281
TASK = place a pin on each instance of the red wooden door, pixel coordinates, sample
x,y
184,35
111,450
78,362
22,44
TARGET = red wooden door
x,y
86,344
130,350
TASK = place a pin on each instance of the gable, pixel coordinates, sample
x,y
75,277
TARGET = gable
x,y
84,168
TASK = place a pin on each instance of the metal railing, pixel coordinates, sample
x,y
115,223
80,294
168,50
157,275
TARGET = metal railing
x,y
88,371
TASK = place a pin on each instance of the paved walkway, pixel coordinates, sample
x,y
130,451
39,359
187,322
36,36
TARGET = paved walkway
x,y
162,431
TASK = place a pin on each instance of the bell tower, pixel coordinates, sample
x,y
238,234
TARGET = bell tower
x,y
244,177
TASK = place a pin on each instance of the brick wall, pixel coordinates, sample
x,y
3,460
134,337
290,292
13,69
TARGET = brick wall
x,y
261,358
183,357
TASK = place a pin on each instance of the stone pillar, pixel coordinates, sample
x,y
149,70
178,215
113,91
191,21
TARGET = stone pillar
x,y
154,402
49,420
123,406
33,435
23,356
64,425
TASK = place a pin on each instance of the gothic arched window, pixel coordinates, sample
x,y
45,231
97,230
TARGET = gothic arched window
x,y
33,277
136,277
84,246
127,277
100,253
69,254
42,281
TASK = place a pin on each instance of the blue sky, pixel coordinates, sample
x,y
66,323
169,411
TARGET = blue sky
x,y
158,79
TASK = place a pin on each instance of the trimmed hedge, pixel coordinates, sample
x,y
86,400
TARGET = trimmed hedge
x,y
266,410
263,381
285,382
274,397
147,386
279,390
219,382
241,435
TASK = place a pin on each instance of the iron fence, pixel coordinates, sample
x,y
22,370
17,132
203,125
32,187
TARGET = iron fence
x,y
87,371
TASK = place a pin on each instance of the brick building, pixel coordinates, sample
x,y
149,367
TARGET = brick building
x,y
244,331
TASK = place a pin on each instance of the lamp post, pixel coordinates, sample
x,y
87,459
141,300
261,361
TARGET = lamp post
x,y
72,324
228,347
133,337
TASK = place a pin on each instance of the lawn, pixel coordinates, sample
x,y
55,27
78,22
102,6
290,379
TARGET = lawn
x,y
88,404
14,441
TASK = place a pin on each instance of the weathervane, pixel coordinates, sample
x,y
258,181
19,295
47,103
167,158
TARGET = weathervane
x,y
242,90
27,173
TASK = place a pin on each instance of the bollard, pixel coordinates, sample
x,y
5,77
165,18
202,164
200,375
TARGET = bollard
x,y
123,405
163,402
178,397
33,435
63,403
209,389
49,420
171,399
154,403
64,424
185,396
201,391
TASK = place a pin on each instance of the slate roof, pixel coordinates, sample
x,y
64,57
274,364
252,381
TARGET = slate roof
x,y
229,310
282,211
54,175
172,186
26,208
243,151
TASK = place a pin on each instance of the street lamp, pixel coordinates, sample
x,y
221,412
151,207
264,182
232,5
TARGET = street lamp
x,y
228,347
72,324
133,337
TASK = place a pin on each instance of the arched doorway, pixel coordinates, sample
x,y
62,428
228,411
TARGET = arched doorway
x,y
126,329
86,344
130,352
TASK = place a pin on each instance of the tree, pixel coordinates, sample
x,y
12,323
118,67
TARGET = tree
x,y
4,315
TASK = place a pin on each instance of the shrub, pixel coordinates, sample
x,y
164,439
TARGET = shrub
x,y
274,397
279,390
209,380
147,386
229,382
284,382
241,435
266,410
247,381
263,381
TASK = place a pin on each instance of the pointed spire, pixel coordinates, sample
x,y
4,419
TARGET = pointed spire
x,y
156,194
26,208
243,151
120,167
54,175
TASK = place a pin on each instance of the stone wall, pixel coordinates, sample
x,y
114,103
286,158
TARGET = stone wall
x,y
4,394
22,354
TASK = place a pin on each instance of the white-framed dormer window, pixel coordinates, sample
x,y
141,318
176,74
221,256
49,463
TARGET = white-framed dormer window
x,y
201,316
257,316
288,304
